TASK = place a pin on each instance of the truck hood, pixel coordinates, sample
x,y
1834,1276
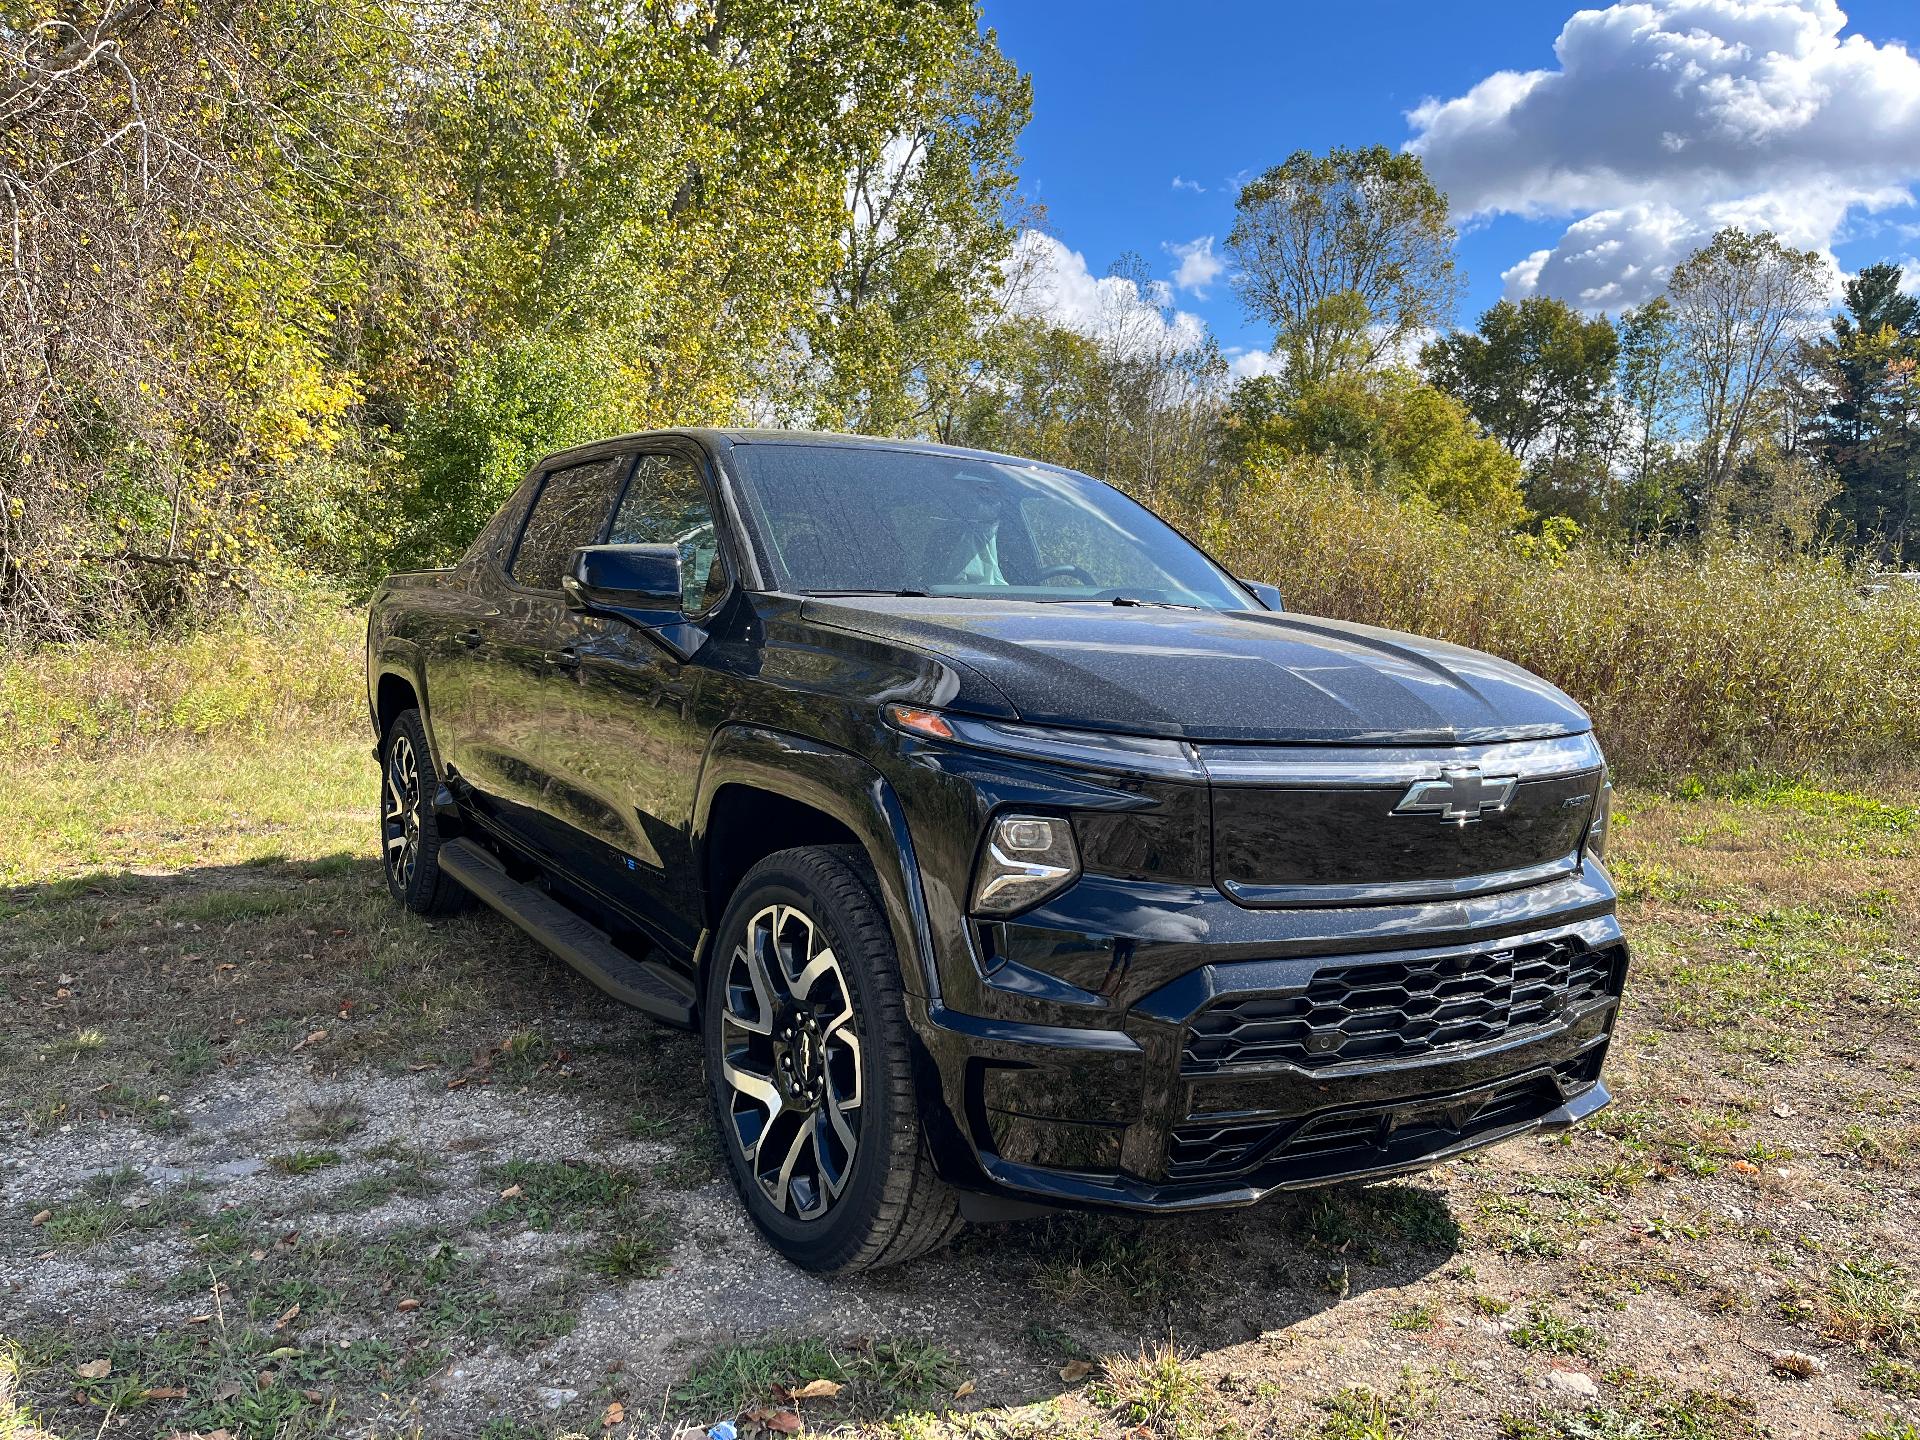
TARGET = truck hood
x,y
1218,675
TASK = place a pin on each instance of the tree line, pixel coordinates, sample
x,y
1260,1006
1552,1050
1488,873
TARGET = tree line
x,y
302,286
1727,406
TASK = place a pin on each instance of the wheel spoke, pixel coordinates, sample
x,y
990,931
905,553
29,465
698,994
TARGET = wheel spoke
x,y
784,1181
759,1089
847,1044
748,964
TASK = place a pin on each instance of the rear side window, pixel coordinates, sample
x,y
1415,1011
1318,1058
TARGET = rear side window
x,y
571,507
666,504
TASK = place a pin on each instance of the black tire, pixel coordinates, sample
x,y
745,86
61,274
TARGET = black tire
x,y
890,1205
409,826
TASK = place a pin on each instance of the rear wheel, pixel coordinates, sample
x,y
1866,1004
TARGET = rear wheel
x,y
808,1070
409,827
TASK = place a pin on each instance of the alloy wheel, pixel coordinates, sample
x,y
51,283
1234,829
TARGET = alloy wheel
x,y
790,1052
400,816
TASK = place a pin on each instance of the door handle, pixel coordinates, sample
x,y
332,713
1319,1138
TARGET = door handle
x,y
470,638
563,659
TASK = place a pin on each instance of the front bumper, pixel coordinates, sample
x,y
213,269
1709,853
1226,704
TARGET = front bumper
x,y
1321,1080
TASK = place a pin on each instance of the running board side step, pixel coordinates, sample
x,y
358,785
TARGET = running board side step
x,y
645,985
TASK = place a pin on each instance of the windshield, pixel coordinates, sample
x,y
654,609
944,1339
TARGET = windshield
x,y
839,519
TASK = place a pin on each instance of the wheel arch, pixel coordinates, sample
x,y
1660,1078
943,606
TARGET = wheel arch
x,y
800,791
394,691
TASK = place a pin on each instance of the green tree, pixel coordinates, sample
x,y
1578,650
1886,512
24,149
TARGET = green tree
x,y
1389,428
1868,428
930,221
1347,255
1536,375
1136,402
1645,445
1741,305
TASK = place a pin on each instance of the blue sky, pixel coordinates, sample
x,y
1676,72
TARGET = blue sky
x,y
1659,121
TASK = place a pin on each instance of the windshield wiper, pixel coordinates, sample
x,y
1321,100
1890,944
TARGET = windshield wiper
x,y
1152,604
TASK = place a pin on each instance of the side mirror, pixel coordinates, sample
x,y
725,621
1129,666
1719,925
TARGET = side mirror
x,y
1267,595
641,584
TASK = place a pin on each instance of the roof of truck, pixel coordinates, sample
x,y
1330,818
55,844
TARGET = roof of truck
x,y
725,437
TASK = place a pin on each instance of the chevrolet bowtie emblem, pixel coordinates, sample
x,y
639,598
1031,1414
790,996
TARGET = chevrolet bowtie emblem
x,y
1461,793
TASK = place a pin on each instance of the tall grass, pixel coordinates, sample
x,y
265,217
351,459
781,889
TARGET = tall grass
x,y
1687,660
291,662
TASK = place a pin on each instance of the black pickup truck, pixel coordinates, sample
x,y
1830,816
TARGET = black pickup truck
x,y
1005,850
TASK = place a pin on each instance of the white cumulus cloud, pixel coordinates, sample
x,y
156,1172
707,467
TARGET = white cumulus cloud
x,y
1048,280
1667,119
1181,183
1245,364
1199,266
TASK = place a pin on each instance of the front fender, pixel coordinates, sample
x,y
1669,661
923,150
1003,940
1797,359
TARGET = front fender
x,y
848,789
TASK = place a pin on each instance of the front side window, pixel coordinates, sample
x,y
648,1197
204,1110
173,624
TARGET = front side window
x,y
841,519
568,513
666,504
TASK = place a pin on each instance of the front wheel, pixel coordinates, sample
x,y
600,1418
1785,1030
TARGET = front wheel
x,y
808,1070
409,827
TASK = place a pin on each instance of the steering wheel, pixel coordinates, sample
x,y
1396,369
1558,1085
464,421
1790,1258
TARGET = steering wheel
x,y
1054,572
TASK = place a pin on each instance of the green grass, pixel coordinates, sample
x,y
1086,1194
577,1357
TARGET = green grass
x,y
878,1374
557,1194
638,1253
109,1206
1547,1333
1157,1387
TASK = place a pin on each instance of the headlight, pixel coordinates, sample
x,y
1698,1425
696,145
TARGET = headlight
x,y
1026,859
1602,817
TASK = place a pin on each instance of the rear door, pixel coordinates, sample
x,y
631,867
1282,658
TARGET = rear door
x,y
528,659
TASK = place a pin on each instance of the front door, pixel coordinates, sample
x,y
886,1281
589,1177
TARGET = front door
x,y
628,755
528,665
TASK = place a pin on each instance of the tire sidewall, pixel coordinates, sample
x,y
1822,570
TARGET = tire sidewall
x,y
825,1243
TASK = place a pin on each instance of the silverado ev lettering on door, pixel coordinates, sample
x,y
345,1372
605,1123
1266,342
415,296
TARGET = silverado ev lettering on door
x,y
1004,850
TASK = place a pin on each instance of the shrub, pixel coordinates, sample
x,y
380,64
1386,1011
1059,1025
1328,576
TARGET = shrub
x,y
1687,659
288,662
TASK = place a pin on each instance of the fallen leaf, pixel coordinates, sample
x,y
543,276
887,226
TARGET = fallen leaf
x,y
784,1422
231,1390
43,1217
94,1370
615,1414
815,1390
512,1192
312,1397
966,1389
290,1312
1745,1167
1793,1363
408,1304
1075,1370
314,1037
265,1379
199,1319
257,1256
165,1392
1783,1110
